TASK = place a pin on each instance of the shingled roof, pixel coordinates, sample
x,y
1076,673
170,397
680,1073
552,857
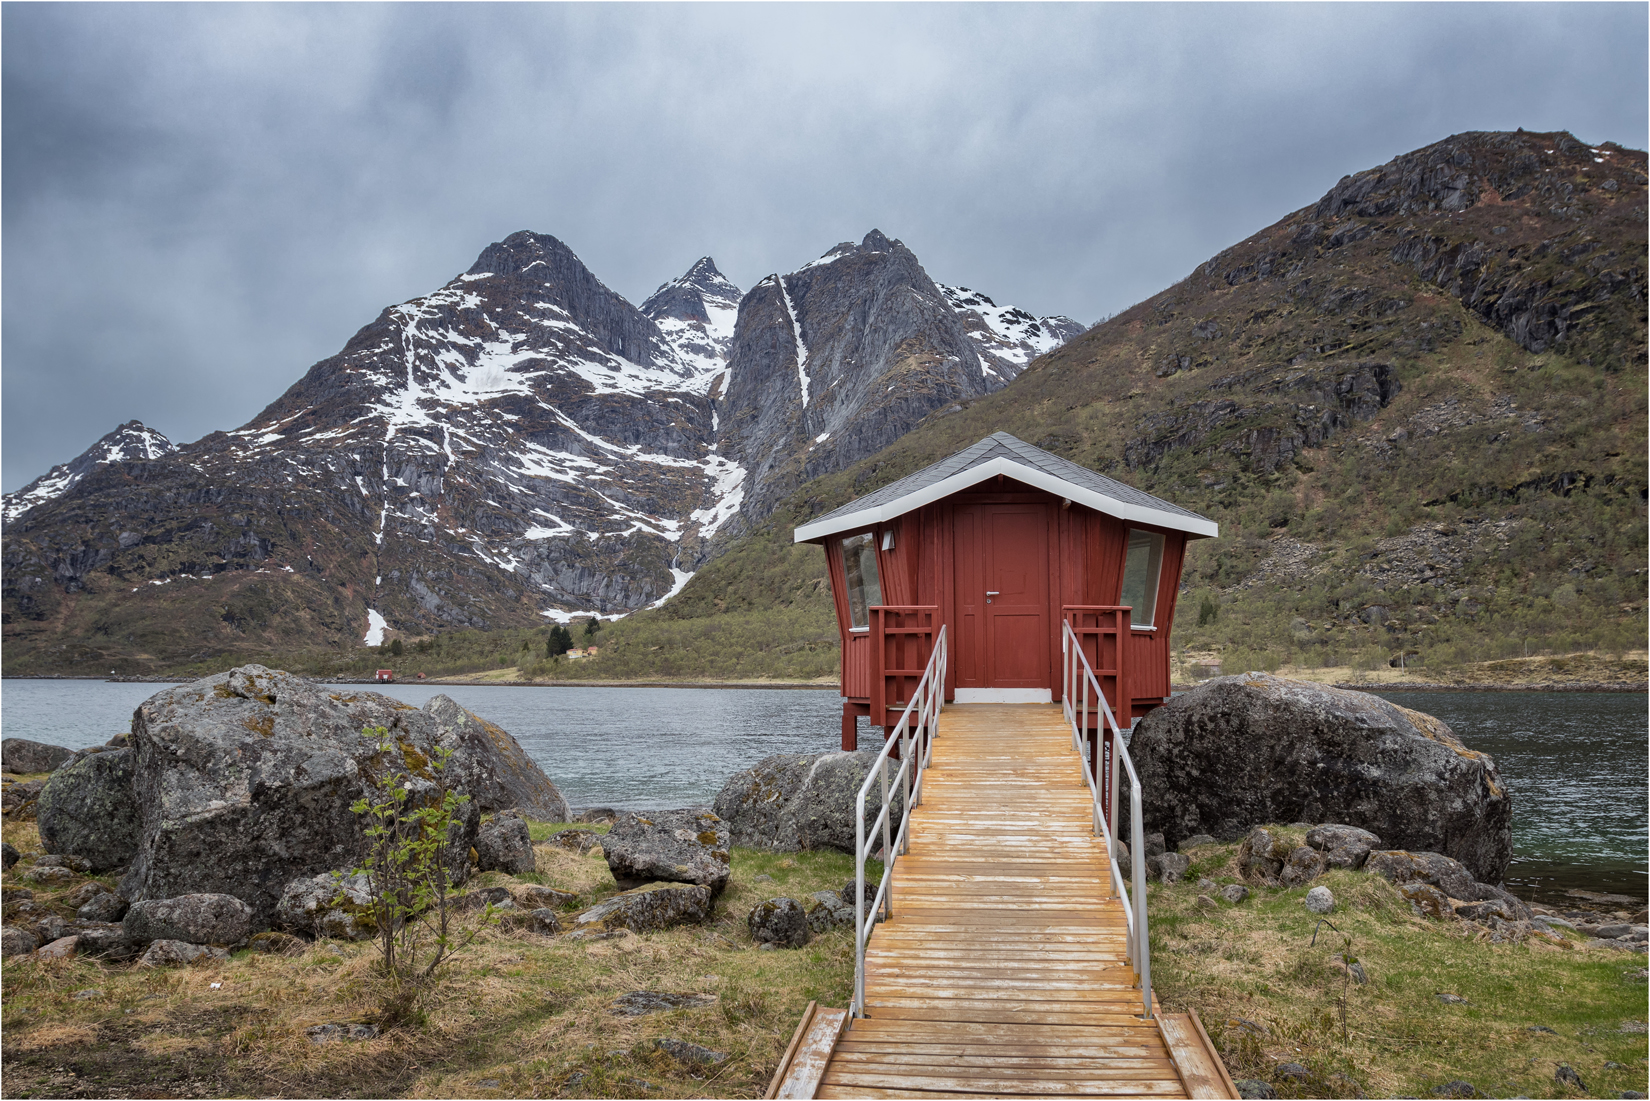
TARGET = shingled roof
x,y
1000,453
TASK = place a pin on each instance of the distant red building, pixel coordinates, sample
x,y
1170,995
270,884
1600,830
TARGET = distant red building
x,y
386,675
1003,542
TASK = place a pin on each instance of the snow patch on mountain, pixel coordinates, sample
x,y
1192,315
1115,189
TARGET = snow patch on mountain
x,y
131,442
1007,337
801,348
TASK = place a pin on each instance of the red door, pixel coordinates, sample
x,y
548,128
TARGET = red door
x,y
1002,597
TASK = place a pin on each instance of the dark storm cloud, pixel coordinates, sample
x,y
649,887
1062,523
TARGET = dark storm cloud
x,y
200,201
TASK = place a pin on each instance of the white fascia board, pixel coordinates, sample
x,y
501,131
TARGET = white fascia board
x,y
1140,514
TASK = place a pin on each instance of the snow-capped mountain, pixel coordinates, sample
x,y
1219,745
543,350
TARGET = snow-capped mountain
x,y
697,313
520,443
131,442
1007,337
837,359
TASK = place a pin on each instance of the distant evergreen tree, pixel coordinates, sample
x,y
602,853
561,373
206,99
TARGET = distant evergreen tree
x,y
591,626
396,647
559,642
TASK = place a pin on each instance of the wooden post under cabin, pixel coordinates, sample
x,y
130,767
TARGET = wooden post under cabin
x,y
1002,543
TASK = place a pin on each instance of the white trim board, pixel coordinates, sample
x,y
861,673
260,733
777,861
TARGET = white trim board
x,y
1000,464
1004,695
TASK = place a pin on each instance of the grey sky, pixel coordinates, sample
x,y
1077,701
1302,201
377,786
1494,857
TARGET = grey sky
x,y
202,200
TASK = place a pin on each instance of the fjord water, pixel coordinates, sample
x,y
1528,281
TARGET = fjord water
x,y
1576,762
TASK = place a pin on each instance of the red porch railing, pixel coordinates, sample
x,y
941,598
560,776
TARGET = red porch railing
x,y
902,641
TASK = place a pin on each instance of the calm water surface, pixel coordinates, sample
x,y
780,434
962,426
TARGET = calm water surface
x,y
1576,762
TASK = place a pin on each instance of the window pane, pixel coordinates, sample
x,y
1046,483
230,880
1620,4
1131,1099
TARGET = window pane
x,y
859,560
1140,572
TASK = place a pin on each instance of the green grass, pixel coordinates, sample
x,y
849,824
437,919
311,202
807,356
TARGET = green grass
x,y
528,1013
1256,961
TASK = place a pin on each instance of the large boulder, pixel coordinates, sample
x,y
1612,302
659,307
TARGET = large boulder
x,y
196,919
1237,752
22,756
245,781
503,844
790,802
680,846
647,909
87,810
491,765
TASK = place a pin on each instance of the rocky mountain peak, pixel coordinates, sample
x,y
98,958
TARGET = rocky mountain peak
x,y
696,313
132,442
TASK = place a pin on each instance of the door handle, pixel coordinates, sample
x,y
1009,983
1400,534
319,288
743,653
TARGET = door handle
x,y
989,593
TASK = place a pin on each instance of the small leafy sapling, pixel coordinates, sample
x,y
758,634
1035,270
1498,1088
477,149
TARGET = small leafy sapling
x,y
413,827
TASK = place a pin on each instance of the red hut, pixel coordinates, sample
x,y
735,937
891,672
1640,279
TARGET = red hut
x,y
1003,542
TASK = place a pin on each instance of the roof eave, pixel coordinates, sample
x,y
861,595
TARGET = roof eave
x,y
1195,526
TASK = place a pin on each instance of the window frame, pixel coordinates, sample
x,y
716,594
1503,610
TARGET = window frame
x,y
868,539
1157,548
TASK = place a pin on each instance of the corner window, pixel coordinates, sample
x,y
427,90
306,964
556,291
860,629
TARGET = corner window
x,y
1140,574
859,562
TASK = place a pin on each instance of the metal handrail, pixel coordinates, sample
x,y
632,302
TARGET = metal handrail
x,y
1076,707
916,745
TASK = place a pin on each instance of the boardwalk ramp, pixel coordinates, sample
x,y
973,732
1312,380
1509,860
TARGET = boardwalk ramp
x,y
1003,970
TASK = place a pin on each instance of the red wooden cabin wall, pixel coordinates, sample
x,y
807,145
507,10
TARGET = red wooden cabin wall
x,y
1086,550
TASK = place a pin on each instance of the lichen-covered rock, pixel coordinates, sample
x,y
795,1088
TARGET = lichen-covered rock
x,y
20,800
16,942
104,938
1303,866
790,802
781,922
103,906
1427,901
1235,892
647,909
1320,900
326,905
575,841
87,809
21,755
63,948
8,856
1242,751
1263,852
827,911
503,845
678,846
1449,876
544,921
198,919
491,766
532,896
1168,867
496,897
1342,846
245,781
178,953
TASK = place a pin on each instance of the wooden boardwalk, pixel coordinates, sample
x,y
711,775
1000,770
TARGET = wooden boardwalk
x,y
1003,970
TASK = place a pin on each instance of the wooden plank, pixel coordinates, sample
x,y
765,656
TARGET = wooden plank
x,y
813,1054
1009,1087
1199,1068
1214,1054
856,1056
785,1060
1146,1070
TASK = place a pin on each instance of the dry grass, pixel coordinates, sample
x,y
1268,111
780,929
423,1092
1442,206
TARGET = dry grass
x,y
517,1014
1257,962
